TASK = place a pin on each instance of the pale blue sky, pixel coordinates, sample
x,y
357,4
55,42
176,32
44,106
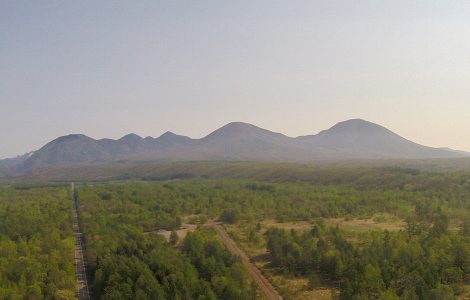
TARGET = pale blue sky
x,y
107,68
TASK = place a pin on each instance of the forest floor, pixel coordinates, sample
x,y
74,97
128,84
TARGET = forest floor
x,y
466,293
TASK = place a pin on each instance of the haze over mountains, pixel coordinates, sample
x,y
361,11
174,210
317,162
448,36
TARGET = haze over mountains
x,y
348,140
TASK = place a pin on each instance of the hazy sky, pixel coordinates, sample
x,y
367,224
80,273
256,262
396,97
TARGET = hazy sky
x,y
107,68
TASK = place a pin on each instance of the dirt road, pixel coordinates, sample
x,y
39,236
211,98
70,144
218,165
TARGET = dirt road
x,y
265,286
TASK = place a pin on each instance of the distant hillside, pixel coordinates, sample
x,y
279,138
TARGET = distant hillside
x,y
349,140
79,148
359,139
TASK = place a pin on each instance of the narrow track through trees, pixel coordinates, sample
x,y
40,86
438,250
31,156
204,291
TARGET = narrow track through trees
x,y
268,291
82,282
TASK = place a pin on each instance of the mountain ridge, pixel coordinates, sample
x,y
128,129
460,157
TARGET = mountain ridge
x,y
350,139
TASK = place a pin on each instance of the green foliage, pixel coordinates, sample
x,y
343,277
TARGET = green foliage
x,y
128,260
145,267
260,187
36,244
313,280
160,205
253,236
174,238
442,292
410,264
230,216
126,263
427,265
228,278
388,295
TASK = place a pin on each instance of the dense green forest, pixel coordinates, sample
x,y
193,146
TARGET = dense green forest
x,y
127,260
156,205
427,258
216,265
36,244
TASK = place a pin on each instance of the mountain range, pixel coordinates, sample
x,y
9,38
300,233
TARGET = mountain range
x,y
354,139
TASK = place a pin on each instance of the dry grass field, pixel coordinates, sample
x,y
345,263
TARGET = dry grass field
x,y
377,222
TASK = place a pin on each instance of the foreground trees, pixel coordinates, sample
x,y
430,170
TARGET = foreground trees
x,y
145,267
128,260
216,265
36,244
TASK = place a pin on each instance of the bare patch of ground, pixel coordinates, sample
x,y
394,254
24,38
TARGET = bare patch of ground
x,y
377,222
295,287
300,225
182,231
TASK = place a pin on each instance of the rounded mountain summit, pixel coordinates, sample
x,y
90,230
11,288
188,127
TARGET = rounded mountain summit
x,y
348,140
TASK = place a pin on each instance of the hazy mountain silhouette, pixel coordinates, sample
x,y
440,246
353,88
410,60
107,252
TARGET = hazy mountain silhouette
x,y
65,150
352,139
242,141
365,140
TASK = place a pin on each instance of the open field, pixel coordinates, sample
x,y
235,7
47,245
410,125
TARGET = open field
x,y
377,222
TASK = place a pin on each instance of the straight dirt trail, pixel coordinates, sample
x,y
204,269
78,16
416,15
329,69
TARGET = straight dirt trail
x,y
268,291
